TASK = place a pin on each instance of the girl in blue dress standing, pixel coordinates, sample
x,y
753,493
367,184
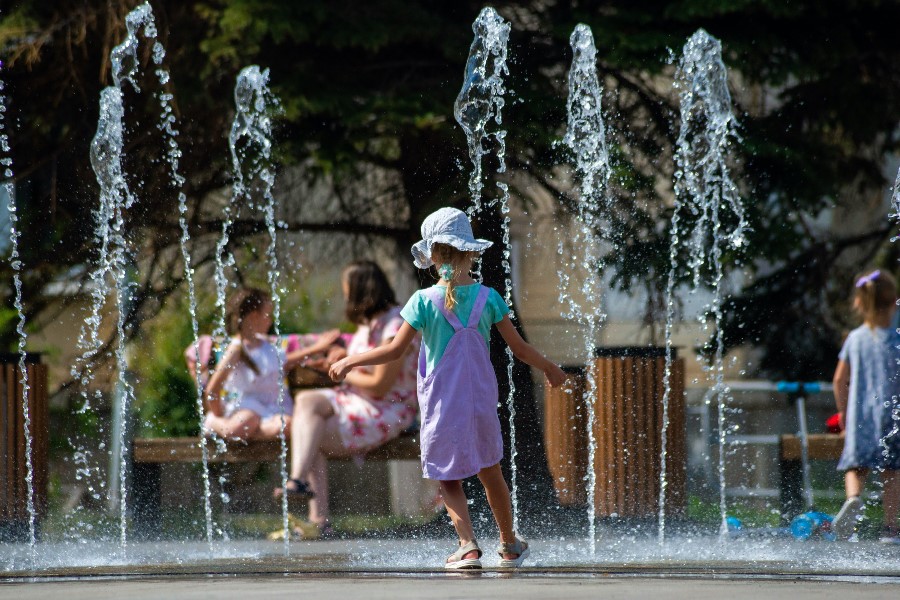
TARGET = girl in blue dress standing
x,y
457,388
867,392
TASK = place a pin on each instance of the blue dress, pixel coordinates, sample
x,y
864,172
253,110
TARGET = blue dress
x,y
873,406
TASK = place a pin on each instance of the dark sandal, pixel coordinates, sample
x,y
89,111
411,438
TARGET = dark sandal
x,y
327,532
456,560
518,547
300,491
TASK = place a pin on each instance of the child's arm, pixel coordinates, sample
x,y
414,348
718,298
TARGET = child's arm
x,y
377,356
211,394
324,341
841,384
528,353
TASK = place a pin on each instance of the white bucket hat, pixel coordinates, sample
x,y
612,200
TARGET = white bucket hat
x,y
446,226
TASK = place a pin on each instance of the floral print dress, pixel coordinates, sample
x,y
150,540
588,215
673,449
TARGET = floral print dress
x,y
367,421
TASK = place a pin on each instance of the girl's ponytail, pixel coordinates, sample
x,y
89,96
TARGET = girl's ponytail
x,y
875,291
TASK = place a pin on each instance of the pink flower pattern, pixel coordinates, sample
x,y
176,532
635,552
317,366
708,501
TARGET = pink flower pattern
x,y
366,421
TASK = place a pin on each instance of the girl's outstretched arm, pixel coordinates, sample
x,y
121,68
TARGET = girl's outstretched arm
x,y
325,340
528,354
377,356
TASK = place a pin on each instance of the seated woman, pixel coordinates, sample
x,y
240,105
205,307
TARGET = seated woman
x,y
250,375
372,406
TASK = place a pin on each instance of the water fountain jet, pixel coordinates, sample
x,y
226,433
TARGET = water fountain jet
x,y
705,198
480,101
586,139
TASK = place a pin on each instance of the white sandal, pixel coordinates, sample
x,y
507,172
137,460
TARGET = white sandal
x,y
456,560
519,547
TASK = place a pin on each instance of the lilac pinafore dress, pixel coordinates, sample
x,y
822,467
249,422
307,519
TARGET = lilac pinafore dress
x,y
460,431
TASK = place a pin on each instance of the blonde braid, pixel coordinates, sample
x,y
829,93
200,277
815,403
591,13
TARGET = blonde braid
x,y
446,254
450,297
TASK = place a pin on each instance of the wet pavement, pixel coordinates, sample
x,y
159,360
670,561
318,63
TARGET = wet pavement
x,y
521,586
621,567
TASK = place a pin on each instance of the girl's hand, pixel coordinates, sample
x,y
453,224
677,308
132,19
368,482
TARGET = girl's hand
x,y
326,339
339,370
214,405
555,376
335,353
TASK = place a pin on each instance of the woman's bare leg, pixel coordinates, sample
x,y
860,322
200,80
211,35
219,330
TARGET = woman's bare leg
x,y
319,512
311,410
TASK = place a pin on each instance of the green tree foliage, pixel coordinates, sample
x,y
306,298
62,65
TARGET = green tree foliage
x,y
373,84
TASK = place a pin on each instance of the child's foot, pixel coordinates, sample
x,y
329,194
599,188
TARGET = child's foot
x,y
844,524
326,531
890,535
514,554
468,556
295,489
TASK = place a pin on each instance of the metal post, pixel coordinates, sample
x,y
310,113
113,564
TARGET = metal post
x,y
804,448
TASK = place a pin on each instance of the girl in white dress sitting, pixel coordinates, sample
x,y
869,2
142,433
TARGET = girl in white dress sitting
x,y
256,403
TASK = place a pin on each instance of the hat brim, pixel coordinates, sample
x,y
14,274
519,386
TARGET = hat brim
x,y
421,250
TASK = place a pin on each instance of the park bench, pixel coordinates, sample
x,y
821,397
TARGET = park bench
x,y
150,454
821,446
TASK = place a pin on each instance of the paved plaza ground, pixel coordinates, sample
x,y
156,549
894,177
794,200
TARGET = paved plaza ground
x,y
487,585
617,567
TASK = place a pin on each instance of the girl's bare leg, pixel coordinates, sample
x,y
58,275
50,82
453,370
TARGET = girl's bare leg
x,y
891,497
242,425
458,509
270,428
501,505
854,481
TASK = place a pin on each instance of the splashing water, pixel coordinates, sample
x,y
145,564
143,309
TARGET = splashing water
x,y
479,102
705,198
6,164
106,159
586,139
251,154
104,154
895,401
167,125
116,255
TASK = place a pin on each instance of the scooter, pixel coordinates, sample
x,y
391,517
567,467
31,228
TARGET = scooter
x,y
811,522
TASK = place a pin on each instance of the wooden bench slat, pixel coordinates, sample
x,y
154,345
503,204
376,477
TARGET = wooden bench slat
x,y
187,450
822,446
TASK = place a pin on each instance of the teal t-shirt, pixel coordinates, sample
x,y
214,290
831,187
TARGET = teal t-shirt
x,y
424,316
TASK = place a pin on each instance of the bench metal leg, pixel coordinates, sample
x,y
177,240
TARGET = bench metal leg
x,y
792,503
147,491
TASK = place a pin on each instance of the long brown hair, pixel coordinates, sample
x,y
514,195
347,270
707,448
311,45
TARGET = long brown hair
x,y
875,291
368,291
244,302
458,259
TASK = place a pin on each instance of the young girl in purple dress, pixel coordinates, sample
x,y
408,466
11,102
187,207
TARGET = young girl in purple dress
x,y
457,388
